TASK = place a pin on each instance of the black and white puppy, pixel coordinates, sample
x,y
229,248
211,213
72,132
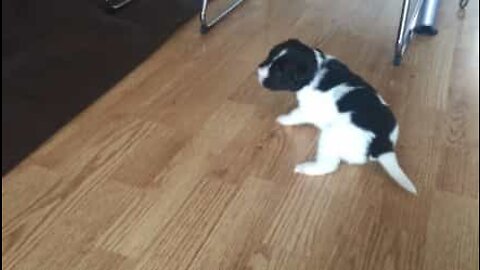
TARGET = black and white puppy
x,y
357,125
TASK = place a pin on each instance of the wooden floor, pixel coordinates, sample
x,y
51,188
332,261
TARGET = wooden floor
x,y
181,166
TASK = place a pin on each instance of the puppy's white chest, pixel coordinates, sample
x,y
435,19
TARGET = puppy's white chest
x,y
318,107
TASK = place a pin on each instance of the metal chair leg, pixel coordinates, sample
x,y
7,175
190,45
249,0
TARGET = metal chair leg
x,y
426,22
420,22
405,30
206,25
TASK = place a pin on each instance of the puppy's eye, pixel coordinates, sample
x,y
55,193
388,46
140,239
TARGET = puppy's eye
x,y
284,66
277,69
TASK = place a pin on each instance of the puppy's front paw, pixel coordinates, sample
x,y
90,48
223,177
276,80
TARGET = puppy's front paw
x,y
287,120
315,168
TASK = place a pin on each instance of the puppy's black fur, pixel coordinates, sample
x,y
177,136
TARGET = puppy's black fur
x,y
298,67
292,71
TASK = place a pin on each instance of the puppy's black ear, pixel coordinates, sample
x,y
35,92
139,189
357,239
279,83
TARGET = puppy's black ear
x,y
322,54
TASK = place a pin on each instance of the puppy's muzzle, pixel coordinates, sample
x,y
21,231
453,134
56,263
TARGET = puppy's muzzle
x,y
262,74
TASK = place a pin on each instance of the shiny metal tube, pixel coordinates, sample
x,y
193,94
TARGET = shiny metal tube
x,y
409,18
427,17
206,25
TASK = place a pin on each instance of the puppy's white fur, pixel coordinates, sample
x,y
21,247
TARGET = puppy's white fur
x,y
340,139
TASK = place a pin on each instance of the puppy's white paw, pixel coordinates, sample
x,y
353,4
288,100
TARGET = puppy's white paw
x,y
315,168
287,120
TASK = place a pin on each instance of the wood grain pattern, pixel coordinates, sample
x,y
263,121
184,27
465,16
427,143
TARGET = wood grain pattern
x,y
181,165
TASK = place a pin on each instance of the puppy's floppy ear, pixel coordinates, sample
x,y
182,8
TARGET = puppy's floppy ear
x,y
322,54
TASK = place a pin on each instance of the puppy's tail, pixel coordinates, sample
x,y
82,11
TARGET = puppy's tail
x,y
390,163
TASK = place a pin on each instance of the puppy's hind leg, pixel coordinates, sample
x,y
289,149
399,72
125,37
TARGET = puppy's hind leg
x,y
327,160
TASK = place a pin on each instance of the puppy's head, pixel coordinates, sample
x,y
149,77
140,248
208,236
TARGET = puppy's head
x,y
290,65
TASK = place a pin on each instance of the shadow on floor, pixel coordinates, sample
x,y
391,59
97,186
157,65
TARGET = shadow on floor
x,y
60,56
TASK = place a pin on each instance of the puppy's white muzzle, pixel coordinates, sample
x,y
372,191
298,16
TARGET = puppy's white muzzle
x,y
262,74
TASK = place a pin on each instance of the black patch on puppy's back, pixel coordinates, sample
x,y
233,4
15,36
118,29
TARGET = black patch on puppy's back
x,y
367,110
336,74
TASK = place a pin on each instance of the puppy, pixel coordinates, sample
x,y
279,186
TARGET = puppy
x,y
357,125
